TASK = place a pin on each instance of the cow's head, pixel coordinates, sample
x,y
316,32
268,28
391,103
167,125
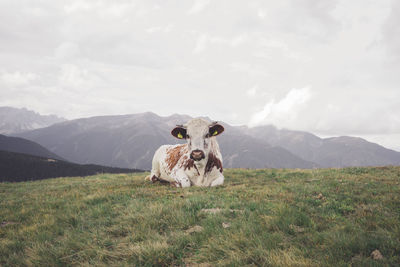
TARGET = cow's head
x,y
198,133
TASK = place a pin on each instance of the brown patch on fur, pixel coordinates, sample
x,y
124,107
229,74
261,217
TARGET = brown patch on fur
x,y
173,156
188,163
184,160
212,162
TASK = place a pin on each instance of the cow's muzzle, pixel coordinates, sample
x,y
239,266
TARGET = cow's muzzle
x,y
197,155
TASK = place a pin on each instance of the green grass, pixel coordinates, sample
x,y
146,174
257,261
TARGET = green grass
x,y
326,217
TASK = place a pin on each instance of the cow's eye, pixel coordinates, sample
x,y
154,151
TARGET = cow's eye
x,y
188,136
207,136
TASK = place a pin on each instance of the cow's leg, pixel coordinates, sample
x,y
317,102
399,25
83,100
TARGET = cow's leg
x,y
218,181
181,179
155,167
153,177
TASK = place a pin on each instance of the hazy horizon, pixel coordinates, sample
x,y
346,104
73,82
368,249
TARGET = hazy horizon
x,y
326,67
168,115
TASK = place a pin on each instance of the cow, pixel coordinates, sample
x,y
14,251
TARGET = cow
x,y
197,163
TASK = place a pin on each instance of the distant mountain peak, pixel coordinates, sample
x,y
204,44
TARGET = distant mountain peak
x,y
17,120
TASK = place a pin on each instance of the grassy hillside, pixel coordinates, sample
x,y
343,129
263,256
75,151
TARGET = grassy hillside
x,y
327,217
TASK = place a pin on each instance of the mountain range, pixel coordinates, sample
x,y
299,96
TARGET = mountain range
x,y
129,141
340,151
16,120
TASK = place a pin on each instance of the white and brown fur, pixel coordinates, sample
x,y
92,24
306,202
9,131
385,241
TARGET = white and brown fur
x,y
198,162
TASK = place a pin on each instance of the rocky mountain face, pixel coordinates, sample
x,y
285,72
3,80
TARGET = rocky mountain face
x,y
129,141
15,120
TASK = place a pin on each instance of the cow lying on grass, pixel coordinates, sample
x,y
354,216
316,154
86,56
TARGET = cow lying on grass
x,y
198,162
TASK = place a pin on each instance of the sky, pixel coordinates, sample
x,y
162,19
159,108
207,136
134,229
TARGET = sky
x,y
328,67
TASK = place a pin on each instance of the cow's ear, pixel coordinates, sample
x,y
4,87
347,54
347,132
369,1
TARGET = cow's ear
x,y
179,132
215,129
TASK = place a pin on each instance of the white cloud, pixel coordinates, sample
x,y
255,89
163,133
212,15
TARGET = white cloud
x,y
162,28
35,11
198,6
391,34
252,91
76,78
66,50
77,6
17,78
201,44
204,40
283,112
102,8
261,13
239,39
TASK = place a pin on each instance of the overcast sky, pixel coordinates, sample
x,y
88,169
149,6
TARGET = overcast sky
x,y
329,67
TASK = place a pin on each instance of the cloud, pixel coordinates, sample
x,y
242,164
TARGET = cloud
x,y
391,33
17,78
201,44
261,13
252,91
205,39
162,28
102,8
283,112
354,113
66,50
313,19
76,6
198,6
74,77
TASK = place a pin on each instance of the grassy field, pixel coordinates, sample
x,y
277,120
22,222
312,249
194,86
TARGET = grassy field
x,y
326,217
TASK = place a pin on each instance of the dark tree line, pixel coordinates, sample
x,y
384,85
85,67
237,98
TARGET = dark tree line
x,y
17,167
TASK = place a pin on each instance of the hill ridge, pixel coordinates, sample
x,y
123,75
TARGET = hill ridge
x,y
130,141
